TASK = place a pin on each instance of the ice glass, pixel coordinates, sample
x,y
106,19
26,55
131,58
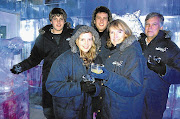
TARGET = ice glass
x,y
97,68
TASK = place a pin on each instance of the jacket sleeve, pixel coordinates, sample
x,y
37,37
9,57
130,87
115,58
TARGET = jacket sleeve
x,y
36,56
172,75
59,83
130,83
173,55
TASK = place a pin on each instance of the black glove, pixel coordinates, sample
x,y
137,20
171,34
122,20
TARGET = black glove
x,y
156,65
16,69
88,87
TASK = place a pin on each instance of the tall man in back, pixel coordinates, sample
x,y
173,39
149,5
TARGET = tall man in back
x,y
100,19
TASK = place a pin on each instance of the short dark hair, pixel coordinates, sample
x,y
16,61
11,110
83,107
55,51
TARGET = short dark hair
x,y
103,9
154,14
57,12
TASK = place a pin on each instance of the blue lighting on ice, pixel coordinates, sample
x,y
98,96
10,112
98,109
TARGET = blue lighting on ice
x,y
21,20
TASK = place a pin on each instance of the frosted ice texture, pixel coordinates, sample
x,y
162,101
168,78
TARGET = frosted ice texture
x,y
14,97
10,54
133,21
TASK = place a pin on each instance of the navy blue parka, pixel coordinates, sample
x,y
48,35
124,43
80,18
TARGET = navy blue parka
x,y
123,91
64,79
158,86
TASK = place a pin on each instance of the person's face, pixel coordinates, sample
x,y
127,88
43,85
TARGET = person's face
x,y
101,21
85,42
152,27
116,35
58,24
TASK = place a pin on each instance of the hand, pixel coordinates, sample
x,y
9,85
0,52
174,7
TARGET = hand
x,y
16,69
87,77
88,87
156,65
103,75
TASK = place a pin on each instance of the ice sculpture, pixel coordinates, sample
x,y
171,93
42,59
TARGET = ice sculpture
x,y
133,21
10,54
14,97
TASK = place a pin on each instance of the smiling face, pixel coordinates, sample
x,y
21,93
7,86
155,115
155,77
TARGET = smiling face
x,y
85,42
152,27
101,21
58,24
117,35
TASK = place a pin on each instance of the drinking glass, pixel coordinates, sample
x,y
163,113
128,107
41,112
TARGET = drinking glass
x,y
97,68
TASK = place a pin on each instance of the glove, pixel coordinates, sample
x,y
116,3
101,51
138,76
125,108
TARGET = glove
x,y
103,75
16,69
87,77
156,65
88,87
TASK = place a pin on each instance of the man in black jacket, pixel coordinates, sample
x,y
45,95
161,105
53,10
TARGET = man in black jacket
x,y
51,42
101,17
163,58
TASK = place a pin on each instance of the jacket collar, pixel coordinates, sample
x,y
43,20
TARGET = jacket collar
x,y
161,34
127,42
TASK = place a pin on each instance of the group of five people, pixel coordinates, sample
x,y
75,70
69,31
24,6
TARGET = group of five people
x,y
136,75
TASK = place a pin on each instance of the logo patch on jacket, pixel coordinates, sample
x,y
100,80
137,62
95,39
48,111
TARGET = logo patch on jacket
x,y
68,39
117,63
162,49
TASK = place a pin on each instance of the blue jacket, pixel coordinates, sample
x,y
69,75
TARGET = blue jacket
x,y
158,86
123,91
167,50
63,83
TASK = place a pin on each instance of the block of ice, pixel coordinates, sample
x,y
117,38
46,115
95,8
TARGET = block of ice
x,y
10,50
132,20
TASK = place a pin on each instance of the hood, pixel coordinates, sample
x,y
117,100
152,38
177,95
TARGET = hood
x,y
127,42
78,30
168,34
164,33
101,9
47,28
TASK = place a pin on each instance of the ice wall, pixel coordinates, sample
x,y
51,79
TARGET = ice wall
x,y
14,96
34,15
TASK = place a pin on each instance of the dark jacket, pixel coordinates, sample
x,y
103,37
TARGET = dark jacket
x,y
103,50
64,85
63,82
46,48
103,35
123,91
164,48
158,87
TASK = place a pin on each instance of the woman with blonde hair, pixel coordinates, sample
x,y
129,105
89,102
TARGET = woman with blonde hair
x,y
123,74
71,95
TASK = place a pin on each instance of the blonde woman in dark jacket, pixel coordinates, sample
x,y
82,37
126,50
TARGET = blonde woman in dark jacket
x,y
71,95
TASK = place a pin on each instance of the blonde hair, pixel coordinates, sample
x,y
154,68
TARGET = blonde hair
x,y
117,24
90,55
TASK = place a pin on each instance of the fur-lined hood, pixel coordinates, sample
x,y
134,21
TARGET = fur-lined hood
x,y
168,34
47,28
78,30
127,42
